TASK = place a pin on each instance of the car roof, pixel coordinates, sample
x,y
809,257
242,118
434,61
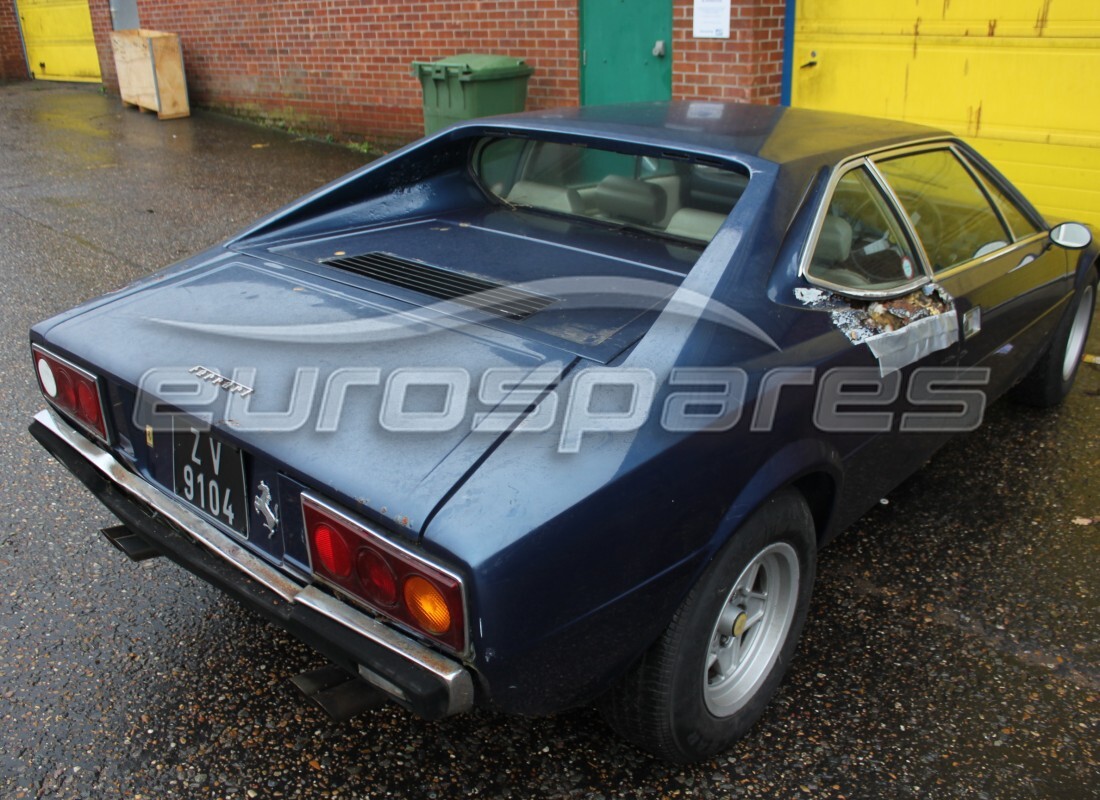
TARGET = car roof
x,y
776,134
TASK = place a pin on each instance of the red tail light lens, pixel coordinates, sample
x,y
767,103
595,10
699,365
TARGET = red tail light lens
x,y
87,405
395,581
378,577
332,551
66,392
72,390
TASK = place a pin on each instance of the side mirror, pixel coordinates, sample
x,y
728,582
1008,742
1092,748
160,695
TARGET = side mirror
x,y
1071,235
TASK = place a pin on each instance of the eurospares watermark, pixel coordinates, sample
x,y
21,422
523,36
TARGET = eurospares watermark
x,y
589,401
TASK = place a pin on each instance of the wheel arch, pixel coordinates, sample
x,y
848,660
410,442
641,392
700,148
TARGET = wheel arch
x,y
819,489
1086,260
663,703
812,467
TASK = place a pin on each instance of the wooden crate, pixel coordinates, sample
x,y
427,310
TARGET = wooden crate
x,y
150,72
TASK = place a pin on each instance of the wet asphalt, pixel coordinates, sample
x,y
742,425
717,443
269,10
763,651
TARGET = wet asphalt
x,y
952,649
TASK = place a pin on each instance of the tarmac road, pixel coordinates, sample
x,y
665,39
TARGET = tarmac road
x,y
952,649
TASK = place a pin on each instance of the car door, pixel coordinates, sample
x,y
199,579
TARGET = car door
x,y
864,251
990,255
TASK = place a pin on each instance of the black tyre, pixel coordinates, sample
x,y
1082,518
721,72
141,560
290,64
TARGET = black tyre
x,y
1052,377
709,677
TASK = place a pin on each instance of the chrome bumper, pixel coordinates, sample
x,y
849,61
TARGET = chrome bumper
x,y
438,670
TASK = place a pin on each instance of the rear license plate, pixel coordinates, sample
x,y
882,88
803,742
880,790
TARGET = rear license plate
x,y
209,474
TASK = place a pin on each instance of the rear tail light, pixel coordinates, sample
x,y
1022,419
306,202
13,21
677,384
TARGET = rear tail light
x,y
378,578
332,551
72,390
427,605
397,582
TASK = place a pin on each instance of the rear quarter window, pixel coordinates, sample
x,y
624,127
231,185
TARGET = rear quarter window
x,y
861,246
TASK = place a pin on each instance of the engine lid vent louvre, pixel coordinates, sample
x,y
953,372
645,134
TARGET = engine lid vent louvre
x,y
498,299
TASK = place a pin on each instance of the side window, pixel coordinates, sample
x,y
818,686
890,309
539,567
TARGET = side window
x,y
1020,224
861,245
953,218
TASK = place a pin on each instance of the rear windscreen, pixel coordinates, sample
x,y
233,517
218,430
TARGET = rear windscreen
x,y
664,196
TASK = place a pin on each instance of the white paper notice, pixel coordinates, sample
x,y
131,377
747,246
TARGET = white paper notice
x,y
711,19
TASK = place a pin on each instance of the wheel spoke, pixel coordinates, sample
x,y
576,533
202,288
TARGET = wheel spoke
x,y
749,583
728,657
712,659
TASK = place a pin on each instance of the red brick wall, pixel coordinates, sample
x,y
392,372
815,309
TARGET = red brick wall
x,y
101,27
748,66
13,63
342,66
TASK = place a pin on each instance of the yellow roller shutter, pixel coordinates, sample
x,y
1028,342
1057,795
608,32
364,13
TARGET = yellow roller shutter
x,y
1017,78
59,39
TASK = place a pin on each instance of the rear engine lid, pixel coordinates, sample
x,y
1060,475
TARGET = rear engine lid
x,y
368,399
564,282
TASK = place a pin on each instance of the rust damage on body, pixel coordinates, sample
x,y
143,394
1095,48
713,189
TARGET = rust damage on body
x,y
860,320
899,331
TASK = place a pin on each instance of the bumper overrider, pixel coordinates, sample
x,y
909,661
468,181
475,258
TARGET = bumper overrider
x,y
417,677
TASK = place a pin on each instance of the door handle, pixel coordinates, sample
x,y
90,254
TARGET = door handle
x,y
659,48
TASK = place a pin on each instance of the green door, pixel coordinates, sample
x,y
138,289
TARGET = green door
x,y
626,51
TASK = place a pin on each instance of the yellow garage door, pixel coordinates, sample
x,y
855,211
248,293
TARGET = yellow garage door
x,y
59,40
1019,79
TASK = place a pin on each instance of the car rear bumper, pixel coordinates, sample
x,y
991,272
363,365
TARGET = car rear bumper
x,y
411,674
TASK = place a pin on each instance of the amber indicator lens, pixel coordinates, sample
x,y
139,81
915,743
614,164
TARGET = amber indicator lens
x,y
426,604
